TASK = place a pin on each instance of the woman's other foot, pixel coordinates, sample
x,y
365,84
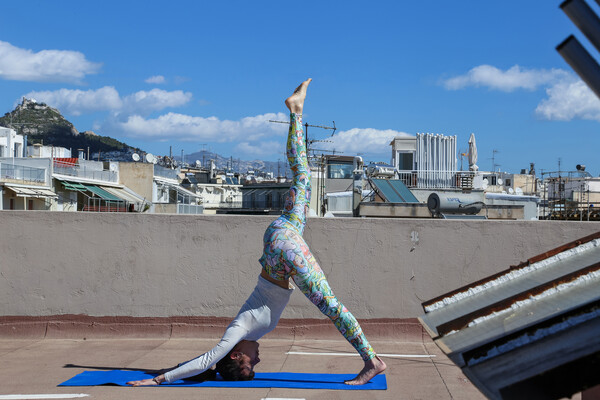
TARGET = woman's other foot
x,y
372,367
295,103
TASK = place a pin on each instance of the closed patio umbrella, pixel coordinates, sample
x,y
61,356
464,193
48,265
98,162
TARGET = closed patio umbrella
x,y
472,153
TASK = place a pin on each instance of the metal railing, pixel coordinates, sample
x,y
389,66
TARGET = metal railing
x,y
190,209
96,204
106,176
22,173
436,179
165,172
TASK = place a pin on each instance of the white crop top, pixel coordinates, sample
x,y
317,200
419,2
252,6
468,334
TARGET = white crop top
x,y
258,316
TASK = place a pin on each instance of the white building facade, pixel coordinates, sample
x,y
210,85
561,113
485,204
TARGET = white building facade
x,y
11,144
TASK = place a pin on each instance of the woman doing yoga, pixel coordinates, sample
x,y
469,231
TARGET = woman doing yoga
x,y
286,255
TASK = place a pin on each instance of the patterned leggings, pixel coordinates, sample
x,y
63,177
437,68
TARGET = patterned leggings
x,y
286,254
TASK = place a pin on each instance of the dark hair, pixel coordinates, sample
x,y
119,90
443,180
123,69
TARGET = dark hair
x,y
229,368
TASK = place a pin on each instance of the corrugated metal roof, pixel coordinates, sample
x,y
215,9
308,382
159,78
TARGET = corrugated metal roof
x,y
22,191
520,330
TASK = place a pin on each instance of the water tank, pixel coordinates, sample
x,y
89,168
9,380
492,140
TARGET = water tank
x,y
455,203
380,171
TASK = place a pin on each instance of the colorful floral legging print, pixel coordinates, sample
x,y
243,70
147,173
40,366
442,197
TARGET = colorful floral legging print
x,y
286,254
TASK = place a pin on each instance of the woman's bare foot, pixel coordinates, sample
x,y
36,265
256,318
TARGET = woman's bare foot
x,y
372,367
295,102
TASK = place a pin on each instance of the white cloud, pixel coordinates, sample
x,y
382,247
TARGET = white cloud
x,y
156,79
188,128
567,96
44,66
363,141
144,102
77,102
512,79
568,100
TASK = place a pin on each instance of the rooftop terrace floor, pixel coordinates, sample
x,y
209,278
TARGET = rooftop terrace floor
x,y
38,366
417,369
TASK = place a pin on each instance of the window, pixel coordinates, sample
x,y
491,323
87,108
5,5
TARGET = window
x,y
405,161
491,179
340,171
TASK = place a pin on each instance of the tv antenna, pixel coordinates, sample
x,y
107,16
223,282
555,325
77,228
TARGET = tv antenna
x,y
19,125
306,125
494,165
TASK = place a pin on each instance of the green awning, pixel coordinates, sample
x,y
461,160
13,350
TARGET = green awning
x,y
103,194
74,186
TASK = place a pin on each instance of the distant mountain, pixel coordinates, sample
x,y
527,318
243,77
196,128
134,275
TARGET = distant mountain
x,y
45,125
278,168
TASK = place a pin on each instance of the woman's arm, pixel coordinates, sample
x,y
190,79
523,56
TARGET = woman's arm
x,y
233,335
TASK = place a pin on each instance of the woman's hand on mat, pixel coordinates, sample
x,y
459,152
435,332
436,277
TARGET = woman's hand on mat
x,y
143,382
148,382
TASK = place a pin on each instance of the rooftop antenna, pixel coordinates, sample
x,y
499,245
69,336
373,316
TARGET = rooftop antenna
x,y
306,125
19,129
494,165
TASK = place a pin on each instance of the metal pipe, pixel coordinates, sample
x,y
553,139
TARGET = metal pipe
x,y
580,13
581,61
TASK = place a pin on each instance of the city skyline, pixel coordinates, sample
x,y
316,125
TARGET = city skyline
x,y
200,75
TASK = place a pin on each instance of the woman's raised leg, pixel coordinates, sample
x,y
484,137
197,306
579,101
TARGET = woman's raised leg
x,y
298,198
297,257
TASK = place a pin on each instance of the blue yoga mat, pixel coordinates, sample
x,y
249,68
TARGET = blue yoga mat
x,y
261,380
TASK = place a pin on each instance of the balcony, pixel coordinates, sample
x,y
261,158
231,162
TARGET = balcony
x,y
82,172
22,174
165,172
437,179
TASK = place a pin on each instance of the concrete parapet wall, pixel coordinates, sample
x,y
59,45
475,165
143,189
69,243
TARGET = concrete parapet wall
x,y
143,265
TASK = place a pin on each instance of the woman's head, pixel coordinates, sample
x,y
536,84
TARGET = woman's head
x,y
238,364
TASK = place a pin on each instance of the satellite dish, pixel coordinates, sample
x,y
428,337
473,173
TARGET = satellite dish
x,y
510,190
500,181
136,157
485,181
484,185
198,163
150,158
519,191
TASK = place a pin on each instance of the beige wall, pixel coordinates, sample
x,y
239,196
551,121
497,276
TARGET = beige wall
x,y
22,203
137,177
130,264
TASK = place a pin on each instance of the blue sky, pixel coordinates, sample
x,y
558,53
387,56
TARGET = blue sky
x,y
199,74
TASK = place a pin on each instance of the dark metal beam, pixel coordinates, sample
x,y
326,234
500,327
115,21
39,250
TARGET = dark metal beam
x,y
584,18
582,62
